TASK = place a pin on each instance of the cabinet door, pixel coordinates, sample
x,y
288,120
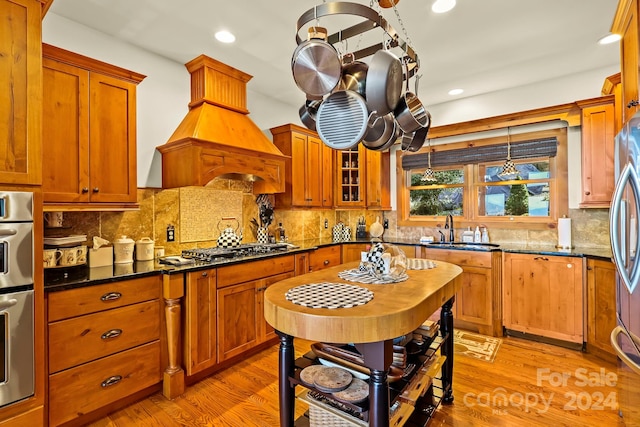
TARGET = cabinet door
x,y
21,80
324,257
301,263
601,304
374,175
597,155
351,251
265,330
237,319
112,135
65,171
350,177
543,296
629,59
473,300
200,322
327,176
298,169
313,182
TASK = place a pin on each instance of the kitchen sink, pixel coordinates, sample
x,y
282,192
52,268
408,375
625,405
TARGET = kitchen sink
x,y
468,245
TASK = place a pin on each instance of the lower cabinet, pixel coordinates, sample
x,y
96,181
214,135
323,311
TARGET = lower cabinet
x,y
324,257
200,317
543,295
104,346
601,306
478,302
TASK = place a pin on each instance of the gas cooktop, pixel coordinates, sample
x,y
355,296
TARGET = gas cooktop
x,y
247,249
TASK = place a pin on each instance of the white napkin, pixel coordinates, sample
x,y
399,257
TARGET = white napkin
x,y
99,241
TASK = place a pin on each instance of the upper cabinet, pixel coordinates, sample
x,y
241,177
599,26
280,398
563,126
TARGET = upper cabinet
x,y
363,179
598,132
89,124
20,65
625,23
308,173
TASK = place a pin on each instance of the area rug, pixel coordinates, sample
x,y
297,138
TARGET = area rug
x,y
479,347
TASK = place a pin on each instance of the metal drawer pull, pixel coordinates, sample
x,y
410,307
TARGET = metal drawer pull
x,y
113,380
542,258
113,333
111,296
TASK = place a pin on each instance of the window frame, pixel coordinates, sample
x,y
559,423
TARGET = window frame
x,y
558,185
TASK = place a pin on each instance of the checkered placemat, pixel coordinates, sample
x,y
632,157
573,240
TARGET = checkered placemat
x,y
329,295
366,277
420,264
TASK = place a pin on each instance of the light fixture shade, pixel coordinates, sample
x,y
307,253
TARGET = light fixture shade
x,y
508,169
429,176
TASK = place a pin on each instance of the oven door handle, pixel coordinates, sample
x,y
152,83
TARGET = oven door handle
x,y
8,232
8,303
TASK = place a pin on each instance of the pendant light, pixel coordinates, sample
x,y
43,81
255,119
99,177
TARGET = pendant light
x,y
429,175
509,168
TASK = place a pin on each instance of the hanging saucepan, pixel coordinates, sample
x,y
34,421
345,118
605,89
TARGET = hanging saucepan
x,y
316,65
384,82
343,119
354,75
308,113
415,140
382,133
410,113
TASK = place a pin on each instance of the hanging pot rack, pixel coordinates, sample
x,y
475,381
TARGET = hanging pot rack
x,y
373,20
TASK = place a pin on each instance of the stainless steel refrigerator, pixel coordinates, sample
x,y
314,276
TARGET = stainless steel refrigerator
x,y
624,215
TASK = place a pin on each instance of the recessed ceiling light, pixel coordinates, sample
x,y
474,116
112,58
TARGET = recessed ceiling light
x,y
455,91
225,36
442,6
610,38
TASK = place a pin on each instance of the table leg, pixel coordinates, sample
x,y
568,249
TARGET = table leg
x,y
286,368
446,326
378,356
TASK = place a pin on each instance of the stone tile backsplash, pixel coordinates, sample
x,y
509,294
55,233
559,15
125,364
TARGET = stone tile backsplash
x,y
195,212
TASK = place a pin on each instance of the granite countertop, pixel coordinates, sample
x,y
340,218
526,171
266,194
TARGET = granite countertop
x,y
62,279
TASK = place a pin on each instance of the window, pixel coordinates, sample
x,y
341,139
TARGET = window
x,y
473,190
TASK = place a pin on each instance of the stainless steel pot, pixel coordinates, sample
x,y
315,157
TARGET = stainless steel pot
x,y
308,113
316,65
343,119
415,140
383,82
410,113
382,133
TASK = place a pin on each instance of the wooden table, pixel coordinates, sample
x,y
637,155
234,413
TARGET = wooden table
x,y
395,310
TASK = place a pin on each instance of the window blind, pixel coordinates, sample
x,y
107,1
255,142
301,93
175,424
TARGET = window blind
x,y
547,147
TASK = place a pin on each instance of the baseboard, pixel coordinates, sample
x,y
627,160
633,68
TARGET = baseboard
x,y
546,340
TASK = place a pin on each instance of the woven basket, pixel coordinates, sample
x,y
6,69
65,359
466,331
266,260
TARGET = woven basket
x,y
322,415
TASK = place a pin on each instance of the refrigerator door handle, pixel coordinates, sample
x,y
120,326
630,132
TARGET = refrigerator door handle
x,y
627,176
621,354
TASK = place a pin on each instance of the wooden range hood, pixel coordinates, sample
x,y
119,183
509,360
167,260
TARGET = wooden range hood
x,y
217,138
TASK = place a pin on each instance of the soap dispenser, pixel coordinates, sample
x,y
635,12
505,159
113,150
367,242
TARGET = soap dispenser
x,y
485,235
477,237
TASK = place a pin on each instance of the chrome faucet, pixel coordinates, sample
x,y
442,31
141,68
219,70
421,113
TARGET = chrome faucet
x,y
449,225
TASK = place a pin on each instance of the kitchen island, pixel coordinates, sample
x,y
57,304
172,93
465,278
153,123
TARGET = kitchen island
x,y
395,310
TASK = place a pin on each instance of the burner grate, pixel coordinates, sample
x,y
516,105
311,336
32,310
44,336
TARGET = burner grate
x,y
247,249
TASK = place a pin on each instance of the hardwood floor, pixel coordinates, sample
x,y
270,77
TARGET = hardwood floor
x,y
528,384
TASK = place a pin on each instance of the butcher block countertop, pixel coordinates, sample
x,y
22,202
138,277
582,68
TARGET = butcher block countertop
x,y
395,310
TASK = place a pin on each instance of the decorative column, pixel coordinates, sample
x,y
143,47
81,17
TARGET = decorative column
x,y
172,292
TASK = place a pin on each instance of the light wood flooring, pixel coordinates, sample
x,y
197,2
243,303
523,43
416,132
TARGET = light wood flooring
x,y
528,384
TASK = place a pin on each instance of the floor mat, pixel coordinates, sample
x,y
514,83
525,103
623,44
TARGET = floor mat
x,y
479,347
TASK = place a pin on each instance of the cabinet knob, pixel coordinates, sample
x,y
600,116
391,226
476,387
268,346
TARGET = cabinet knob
x,y
326,262
113,380
205,274
85,190
586,193
633,103
96,189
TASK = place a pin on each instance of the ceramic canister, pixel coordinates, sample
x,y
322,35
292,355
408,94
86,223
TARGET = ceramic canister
x,y
123,250
144,249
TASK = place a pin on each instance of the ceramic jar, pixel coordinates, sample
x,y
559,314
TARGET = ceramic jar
x,y
123,250
144,249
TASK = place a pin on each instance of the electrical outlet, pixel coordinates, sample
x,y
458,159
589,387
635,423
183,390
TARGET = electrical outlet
x,y
171,233
385,224
326,223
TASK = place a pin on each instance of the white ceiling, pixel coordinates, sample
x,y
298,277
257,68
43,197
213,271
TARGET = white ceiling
x,y
480,46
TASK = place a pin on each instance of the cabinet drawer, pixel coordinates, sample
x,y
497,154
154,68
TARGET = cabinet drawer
x,y
91,299
324,257
85,388
85,338
461,258
240,273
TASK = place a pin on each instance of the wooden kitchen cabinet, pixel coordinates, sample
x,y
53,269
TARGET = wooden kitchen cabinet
x,y
543,295
324,257
625,23
240,309
89,123
104,347
373,191
351,251
478,302
350,177
20,108
601,306
598,132
308,172
200,321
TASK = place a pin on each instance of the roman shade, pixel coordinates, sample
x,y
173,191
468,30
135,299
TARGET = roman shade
x,y
546,147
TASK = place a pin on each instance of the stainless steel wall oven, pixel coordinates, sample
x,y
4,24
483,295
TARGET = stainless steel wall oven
x,y
16,297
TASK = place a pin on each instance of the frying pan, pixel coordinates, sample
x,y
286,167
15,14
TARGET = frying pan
x,y
316,65
308,113
382,133
354,75
384,82
343,119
